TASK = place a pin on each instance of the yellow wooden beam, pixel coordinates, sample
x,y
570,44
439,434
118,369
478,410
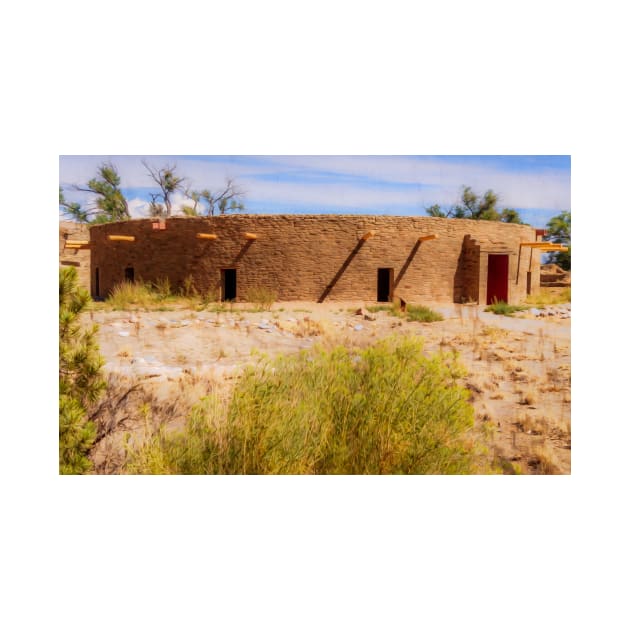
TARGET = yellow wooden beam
x,y
427,237
118,237
367,235
249,236
536,244
73,246
555,248
71,242
209,237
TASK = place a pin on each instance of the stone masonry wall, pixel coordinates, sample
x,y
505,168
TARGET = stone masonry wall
x,y
79,258
314,257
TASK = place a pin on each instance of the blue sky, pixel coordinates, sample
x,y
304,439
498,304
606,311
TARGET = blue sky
x,y
537,186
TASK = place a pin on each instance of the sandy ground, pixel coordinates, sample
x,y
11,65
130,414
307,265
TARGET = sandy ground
x,y
519,367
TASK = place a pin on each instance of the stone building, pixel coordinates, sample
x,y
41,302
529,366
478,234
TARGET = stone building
x,y
321,257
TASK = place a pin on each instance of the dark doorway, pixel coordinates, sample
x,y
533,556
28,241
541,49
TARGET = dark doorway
x,y
228,284
498,266
384,282
129,274
97,283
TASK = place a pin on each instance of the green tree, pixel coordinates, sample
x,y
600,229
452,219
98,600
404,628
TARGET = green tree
x,y
80,381
559,231
472,206
109,203
71,210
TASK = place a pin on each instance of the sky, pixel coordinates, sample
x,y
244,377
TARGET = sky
x,y
538,186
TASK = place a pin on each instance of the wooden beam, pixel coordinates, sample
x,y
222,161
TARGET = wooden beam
x,y
209,237
71,242
555,248
367,235
427,237
73,246
118,237
249,236
536,244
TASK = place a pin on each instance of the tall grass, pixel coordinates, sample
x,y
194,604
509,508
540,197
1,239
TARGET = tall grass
x,y
413,312
262,297
386,409
126,295
548,297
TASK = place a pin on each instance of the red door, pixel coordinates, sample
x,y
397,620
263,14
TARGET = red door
x,y
498,266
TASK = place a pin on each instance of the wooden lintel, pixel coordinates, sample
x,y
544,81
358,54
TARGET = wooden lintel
x,y
556,248
118,237
536,244
73,246
71,242
427,237
367,235
209,237
249,236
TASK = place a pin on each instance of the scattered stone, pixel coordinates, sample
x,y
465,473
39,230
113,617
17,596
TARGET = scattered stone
x,y
369,318
123,333
361,311
358,327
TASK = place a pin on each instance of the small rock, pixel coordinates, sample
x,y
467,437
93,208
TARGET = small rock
x,y
123,333
360,311
358,327
369,318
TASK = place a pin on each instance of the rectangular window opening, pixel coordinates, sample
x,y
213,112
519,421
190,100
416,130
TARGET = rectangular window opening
x,y
129,274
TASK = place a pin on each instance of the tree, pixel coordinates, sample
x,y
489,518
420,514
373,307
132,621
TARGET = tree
x,y
559,231
109,204
472,206
169,182
72,210
210,203
80,381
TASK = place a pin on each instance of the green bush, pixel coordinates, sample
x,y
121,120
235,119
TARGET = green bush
x,y
80,381
422,314
387,409
126,295
502,308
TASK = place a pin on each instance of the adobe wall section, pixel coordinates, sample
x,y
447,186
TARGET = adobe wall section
x,y
78,258
314,257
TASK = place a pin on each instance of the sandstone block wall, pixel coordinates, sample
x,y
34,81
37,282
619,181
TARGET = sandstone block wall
x,y
79,258
315,257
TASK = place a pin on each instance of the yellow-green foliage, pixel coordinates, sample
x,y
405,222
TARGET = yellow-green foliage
x,y
262,297
80,382
129,295
545,297
387,409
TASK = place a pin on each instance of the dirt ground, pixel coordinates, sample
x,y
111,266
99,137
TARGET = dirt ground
x,y
519,367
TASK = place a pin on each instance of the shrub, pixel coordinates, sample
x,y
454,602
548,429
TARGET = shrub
x,y
417,313
126,295
80,382
262,297
387,409
502,308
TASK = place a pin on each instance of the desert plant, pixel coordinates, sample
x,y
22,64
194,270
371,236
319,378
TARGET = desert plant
x,y
80,381
161,288
262,297
385,409
128,295
502,308
418,313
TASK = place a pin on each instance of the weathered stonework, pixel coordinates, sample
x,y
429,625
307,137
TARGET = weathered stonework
x,y
79,258
317,257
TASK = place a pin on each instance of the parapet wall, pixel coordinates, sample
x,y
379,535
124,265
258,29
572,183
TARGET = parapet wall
x,y
316,257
